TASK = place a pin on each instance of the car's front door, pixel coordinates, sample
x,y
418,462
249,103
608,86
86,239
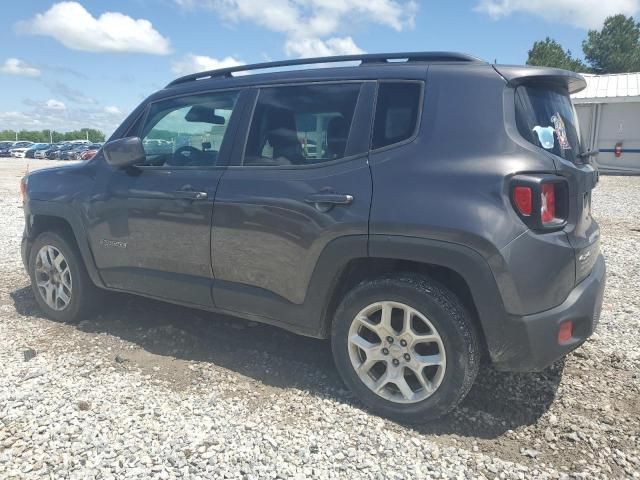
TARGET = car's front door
x,y
301,181
150,225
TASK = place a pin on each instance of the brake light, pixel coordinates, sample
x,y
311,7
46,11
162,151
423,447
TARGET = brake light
x,y
522,197
548,203
541,200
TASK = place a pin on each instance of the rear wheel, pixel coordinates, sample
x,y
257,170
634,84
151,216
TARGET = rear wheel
x,y
59,279
406,346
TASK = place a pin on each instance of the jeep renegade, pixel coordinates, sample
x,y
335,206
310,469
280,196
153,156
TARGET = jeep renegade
x,y
421,210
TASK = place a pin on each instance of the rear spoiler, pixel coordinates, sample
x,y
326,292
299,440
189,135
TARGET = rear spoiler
x,y
518,75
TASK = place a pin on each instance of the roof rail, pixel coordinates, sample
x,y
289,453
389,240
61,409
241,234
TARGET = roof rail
x,y
364,59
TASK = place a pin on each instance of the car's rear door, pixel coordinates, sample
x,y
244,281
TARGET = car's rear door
x,y
150,225
300,181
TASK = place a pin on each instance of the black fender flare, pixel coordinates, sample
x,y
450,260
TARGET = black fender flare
x,y
66,213
463,260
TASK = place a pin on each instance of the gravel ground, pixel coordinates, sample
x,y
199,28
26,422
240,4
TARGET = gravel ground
x,y
148,390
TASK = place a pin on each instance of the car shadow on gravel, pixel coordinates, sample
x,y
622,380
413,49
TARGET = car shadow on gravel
x,y
498,401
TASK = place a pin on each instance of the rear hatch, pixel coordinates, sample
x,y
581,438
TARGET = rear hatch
x,y
546,118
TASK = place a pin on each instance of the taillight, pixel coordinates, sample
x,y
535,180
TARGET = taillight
x,y
522,199
548,203
541,201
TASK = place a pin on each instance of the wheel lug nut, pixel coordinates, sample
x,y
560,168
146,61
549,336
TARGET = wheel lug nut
x,y
403,343
390,339
396,362
407,357
385,351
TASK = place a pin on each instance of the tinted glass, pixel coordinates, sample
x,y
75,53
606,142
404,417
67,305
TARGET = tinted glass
x,y
187,131
546,118
301,125
397,110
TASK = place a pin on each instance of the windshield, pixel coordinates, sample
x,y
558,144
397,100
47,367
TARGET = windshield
x,y
546,117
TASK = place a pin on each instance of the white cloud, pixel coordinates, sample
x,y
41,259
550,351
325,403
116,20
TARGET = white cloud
x,y
198,63
579,13
73,26
312,27
50,105
53,104
111,110
15,66
315,47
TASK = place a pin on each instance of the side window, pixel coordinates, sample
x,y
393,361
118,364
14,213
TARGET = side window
x,y
301,125
187,131
397,111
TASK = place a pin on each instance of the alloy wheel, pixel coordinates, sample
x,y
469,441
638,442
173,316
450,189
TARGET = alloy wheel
x,y
53,277
397,352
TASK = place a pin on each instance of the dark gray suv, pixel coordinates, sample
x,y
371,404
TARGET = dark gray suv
x,y
421,210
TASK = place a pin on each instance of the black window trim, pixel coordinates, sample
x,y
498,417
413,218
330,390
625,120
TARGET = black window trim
x,y
418,119
145,113
258,88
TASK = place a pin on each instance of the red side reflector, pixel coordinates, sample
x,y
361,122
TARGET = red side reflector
x,y
566,332
548,208
522,197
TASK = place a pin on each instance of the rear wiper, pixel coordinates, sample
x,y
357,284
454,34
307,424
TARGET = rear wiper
x,y
588,153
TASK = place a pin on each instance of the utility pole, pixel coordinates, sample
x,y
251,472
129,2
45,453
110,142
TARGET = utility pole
x,y
50,136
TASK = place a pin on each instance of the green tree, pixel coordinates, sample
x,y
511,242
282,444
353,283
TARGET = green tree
x,y
615,48
44,136
549,53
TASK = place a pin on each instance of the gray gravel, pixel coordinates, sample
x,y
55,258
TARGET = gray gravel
x,y
148,390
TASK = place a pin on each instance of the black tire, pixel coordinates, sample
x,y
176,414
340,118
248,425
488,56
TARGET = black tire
x,y
84,294
447,315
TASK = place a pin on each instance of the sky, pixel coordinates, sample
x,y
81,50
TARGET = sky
x,y
88,63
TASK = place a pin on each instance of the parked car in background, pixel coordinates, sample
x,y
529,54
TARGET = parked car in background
x,y
5,148
19,150
74,152
91,152
53,150
56,154
36,147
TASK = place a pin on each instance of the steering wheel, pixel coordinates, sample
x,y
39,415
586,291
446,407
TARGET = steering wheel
x,y
185,155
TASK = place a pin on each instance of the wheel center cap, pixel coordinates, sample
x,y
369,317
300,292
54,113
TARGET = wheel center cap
x,y
396,350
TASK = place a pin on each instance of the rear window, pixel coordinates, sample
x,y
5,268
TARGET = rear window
x,y
397,110
301,125
546,118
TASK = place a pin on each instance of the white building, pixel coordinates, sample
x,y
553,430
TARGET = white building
x,y
609,115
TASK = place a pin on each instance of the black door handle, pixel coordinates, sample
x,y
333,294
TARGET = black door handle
x,y
330,198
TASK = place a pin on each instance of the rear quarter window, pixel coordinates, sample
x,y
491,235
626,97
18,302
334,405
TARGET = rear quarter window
x,y
397,112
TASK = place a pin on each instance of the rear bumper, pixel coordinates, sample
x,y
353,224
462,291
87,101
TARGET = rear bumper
x,y
530,341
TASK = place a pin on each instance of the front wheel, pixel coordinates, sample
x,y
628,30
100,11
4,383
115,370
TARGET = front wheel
x,y
406,346
59,279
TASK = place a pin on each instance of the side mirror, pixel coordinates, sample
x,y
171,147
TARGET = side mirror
x,y
124,152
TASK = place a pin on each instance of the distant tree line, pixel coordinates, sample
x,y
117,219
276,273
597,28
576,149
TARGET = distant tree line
x,y
613,49
47,136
